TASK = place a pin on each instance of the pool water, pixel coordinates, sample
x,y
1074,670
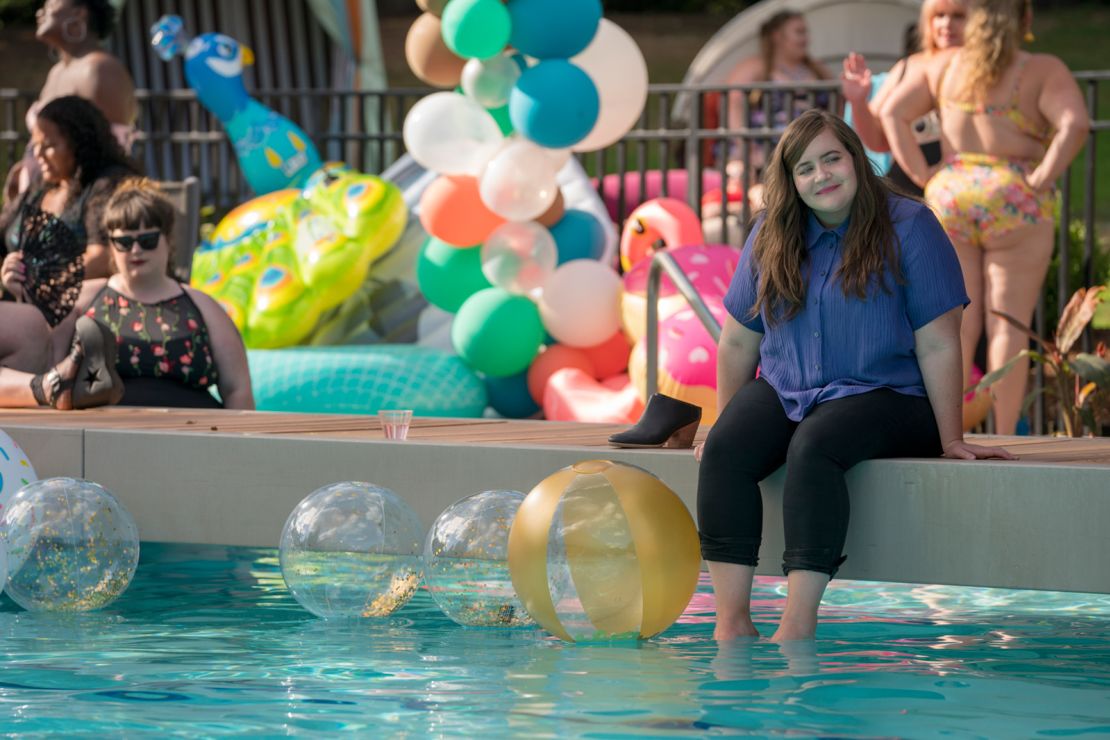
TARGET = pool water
x,y
207,641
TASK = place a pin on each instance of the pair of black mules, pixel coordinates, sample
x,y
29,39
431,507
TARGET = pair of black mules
x,y
666,422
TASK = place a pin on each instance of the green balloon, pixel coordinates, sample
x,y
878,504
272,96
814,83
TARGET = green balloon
x,y
501,115
497,333
476,28
448,275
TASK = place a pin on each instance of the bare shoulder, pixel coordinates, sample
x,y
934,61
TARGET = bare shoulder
x,y
1047,65
103,62
746,70
204,301
89,290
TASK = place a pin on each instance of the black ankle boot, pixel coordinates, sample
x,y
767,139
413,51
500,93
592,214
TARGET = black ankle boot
x,y
666,422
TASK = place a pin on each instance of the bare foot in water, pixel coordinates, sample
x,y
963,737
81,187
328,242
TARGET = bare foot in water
x,y
735,629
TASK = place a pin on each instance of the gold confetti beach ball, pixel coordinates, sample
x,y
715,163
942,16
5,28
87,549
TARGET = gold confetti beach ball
x,y
466,561
71,546
602,550
351,550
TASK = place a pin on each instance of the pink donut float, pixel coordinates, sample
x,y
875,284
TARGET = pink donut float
x,y
709,268
687,360
572,395
661,223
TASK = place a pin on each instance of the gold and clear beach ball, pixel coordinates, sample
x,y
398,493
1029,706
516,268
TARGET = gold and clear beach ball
x,y
71,546
602,550
350,550
466,566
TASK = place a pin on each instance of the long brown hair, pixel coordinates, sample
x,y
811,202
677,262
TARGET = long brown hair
x,y
767,45
780,246
991,41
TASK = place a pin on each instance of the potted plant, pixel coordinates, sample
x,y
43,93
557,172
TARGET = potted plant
x,y
1078,381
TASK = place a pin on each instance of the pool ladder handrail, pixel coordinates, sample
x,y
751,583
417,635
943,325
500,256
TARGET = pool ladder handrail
x,y
661,262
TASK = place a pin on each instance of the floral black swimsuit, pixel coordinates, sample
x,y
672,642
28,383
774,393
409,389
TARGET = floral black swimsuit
x,y
165,353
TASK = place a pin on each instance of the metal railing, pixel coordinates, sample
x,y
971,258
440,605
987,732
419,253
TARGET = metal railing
x,y
678,140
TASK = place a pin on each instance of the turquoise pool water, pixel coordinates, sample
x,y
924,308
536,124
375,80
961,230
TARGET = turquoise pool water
x,y
207,641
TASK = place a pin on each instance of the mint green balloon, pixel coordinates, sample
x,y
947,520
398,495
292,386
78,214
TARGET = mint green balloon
x,y
476,28
497,333
448,275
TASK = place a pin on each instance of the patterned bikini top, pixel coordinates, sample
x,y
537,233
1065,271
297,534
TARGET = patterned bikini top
x,y
1008,110
167,339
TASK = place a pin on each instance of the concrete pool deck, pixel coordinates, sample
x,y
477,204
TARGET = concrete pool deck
x,y
232,477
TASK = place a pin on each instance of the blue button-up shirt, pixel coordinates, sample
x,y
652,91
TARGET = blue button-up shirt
x,y
837,345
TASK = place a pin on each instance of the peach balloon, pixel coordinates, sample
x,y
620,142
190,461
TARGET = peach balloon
x,y
452,211
660,223
572,395
610,357
428,56
552,359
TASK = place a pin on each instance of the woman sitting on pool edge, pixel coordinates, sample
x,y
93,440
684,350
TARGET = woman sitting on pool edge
x,y
849,298
143,334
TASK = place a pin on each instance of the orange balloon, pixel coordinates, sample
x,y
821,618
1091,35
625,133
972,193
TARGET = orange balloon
x,y
452,211
554,214
611,356
428,56
555,357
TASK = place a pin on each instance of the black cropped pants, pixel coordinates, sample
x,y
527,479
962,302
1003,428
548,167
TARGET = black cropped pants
x,y
753,437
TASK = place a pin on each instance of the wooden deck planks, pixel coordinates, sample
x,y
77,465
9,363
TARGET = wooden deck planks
x,y
501,432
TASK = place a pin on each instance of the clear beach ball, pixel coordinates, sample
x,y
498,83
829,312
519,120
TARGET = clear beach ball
x,y
351,549
71,546
466,566
602,550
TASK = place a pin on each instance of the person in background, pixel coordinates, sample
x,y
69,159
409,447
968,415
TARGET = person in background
x,y
59,216
940,27
1011,123
848,299
74,30
138,338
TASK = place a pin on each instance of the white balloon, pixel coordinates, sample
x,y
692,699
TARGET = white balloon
x,y
519,182
617,67
580,305
519,257
451,134
489,81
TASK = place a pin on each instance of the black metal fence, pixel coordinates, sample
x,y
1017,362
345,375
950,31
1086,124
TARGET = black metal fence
x,y
677,143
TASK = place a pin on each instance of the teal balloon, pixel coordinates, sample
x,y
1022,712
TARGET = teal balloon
x,y
448,275
554,103
509,396
578,236
497,333
476,28
553,30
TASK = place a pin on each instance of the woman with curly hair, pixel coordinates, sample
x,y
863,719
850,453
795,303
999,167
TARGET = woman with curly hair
x,y
1011,123
74,30
848,298
56,222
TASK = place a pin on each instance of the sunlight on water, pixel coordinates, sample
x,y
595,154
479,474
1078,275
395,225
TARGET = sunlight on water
x,y
208,641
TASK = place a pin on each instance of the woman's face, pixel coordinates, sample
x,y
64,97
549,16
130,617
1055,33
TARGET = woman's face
x,y
792,39
53,152
947,24
825,178
52,17
139,253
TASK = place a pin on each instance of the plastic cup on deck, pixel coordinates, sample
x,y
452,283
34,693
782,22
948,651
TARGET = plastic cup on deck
x,y
395,422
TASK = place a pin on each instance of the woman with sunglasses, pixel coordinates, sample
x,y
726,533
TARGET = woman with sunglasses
x,y
139,332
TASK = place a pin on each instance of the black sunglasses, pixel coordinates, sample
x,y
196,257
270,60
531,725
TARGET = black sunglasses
x,y
148,241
